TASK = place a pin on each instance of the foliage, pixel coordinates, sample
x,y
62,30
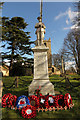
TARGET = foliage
x,y
15,40
21,70
18,69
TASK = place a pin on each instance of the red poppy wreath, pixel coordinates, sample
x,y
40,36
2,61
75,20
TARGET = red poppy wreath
x,y
67,99
12,101
28,111
59,101
42,100
5,99
50,101
34,101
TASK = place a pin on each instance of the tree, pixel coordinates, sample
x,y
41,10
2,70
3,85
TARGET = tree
x,y
70,70
18,69
72,42
1,4
56,59
15,40
77,36
72,50
59,60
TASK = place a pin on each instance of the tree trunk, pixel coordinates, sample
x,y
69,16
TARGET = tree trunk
x,y
11,62
62,64
78,71
11,66
78,51
16,82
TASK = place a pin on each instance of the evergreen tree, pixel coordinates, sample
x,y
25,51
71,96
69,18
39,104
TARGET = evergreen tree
x,y
15,40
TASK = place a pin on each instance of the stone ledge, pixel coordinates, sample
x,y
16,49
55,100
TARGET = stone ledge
x,y
40,49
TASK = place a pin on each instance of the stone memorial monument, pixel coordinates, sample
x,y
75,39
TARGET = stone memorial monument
x,y
41,77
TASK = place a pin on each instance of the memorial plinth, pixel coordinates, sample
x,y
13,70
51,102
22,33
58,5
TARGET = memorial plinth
x,y
41,72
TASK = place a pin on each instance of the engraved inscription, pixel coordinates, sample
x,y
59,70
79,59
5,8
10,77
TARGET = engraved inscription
x,y
40,65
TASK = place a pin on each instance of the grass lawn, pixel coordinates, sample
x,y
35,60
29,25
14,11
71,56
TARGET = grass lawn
x,y
23,83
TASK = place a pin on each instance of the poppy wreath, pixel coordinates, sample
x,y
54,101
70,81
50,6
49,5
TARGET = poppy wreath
x,y
34,101
22,101
28,111
12,101
42,100
67,99
59,101
5,99
50,101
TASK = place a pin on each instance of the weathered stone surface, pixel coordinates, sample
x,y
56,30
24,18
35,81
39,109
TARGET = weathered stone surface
x,y
41,77
46,87
40,63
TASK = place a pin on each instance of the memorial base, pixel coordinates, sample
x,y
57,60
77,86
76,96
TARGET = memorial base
x,y
46,87
41,77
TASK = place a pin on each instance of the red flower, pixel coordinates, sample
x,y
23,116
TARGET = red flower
x,y
15,108
42,109
57,108
28,111
39,87
37,91
61,108
50,109
65,107
54,108
46,109
40,94
38,109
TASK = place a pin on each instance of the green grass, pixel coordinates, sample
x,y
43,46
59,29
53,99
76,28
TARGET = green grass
x,y
62,87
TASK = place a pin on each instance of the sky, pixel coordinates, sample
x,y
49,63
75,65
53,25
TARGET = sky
x,y
57,17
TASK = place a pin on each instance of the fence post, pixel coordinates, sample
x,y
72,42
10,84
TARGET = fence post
x,y
16,81
67,81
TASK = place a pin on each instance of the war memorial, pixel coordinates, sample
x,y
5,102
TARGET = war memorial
x,y
41,77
